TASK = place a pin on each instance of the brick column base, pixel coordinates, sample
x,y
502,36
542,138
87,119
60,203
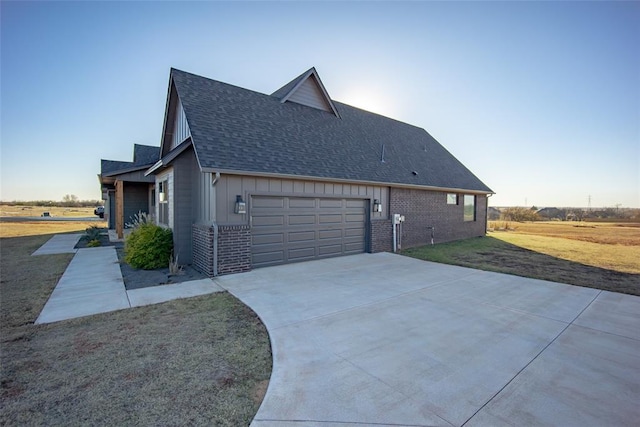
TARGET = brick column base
x,y
234,249
202,241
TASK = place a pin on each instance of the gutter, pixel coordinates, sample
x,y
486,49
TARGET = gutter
x,y
347,181
214,181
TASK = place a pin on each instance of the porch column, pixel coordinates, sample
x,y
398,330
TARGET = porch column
x,y
120,209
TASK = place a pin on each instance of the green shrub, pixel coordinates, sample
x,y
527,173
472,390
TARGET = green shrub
x,y
93,233
94,243
148,247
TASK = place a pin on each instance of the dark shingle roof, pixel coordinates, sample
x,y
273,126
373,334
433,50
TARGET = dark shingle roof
x,y
143,156
238,129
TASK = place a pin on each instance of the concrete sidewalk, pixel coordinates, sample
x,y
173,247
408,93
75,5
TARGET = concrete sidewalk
x,y
93,283
386,340
59,244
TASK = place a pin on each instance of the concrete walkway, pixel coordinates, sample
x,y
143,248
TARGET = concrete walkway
x,y
93,283
386,340
59,244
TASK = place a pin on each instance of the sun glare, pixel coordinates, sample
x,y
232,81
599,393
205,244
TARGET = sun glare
x,y
368,100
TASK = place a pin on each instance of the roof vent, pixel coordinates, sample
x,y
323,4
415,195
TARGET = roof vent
x,y
414,172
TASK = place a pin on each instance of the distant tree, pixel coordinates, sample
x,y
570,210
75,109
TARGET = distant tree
x,y
70,200
520,214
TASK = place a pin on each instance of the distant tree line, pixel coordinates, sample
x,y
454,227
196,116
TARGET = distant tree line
x,y
68,201
564,214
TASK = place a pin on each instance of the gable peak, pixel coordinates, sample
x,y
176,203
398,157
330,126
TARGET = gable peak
x,y
307,89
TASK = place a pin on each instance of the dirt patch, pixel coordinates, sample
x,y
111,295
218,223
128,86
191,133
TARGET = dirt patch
x,y
260,390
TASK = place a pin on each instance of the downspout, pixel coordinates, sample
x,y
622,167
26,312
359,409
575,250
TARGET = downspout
x,y
486,215
215,231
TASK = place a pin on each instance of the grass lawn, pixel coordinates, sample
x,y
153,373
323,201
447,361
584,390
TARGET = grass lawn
x,y
202,361
573,260
55,211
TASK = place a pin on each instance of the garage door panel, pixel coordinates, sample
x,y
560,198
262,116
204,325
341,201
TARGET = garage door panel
x,y
261,221
302,219
330,219
354,217
330,203
267,202
302,236
297,254
354,232
268,258
330,249
329,234
289,229
302,202
266,239
355,203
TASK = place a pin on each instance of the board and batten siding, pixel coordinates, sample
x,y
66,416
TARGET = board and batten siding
x,y
309,94
183,203
229,186
180,127
165,175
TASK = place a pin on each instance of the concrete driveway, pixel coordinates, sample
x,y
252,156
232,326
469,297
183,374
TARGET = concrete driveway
x,y
386,340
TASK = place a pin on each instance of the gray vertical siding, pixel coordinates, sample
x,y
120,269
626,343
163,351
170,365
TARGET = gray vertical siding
x,y
136,199
231,185
180,126
309,94
184,206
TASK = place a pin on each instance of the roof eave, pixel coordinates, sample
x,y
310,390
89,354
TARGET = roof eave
x,y
352,181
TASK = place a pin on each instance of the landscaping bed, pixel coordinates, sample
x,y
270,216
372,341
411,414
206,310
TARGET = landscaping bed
x,y
135,278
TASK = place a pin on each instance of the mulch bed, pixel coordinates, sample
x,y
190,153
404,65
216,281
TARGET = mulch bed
x,y
136,278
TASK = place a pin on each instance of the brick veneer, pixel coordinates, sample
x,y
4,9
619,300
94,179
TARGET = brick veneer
x,y
381,238
423,209
202,251
234,249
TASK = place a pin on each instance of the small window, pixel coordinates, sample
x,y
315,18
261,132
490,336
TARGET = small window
x,y
452,199
163,202
469,207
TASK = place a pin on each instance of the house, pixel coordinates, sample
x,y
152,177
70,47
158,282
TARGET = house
x,y
126,189
246,180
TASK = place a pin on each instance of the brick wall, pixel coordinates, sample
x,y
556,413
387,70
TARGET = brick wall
x,y
381,238
202,250
423,209
234,249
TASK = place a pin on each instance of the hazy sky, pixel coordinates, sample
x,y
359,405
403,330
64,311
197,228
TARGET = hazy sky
x,y
540,100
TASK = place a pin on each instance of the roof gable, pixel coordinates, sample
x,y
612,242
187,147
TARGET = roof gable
x,y
307,89
239,130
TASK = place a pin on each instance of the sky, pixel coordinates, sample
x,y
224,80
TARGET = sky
x,y
540,100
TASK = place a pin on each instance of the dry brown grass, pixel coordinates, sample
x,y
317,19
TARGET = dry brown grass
x,y
36,228
601,256
196,361
627,234
55,211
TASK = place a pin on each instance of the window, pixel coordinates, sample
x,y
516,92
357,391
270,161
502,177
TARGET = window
x,y
163,202
452,199
469,207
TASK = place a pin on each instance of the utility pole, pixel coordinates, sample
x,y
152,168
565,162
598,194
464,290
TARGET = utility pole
x,y
589,204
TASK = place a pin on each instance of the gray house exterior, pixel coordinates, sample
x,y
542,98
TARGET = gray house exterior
x,y
316,178
125,188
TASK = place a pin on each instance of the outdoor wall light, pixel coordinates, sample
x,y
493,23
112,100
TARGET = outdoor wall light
x,y
241,206
377,206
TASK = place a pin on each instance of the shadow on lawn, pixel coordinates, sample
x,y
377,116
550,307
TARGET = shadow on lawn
x,y
491,254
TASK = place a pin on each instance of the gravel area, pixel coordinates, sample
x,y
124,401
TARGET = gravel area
x,y
137,278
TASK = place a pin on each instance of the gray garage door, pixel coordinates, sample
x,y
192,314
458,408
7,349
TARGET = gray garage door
x,y
290,229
